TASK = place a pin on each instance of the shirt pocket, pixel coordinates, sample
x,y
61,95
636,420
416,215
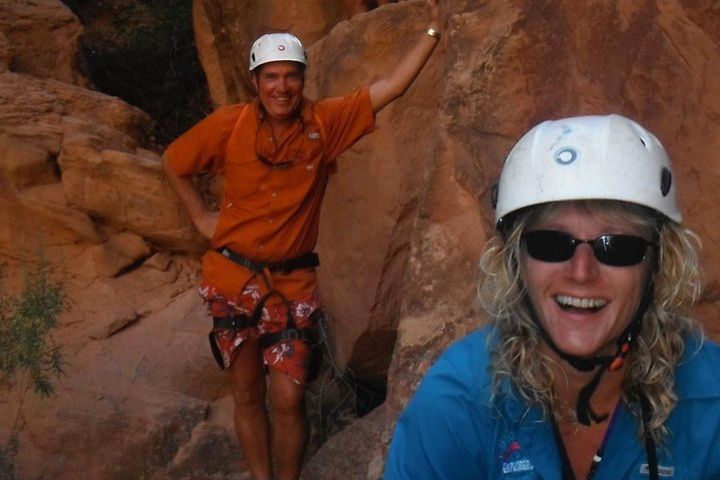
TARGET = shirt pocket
x,y
307,158
244,177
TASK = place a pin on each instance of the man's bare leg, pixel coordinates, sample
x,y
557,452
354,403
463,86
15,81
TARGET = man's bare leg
x,y
289,424
247,382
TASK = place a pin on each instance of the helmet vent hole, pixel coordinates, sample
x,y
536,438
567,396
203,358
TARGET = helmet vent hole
x,y
566,155
642,140
665,181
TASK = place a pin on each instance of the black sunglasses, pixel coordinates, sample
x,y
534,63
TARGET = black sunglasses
x,y
611,249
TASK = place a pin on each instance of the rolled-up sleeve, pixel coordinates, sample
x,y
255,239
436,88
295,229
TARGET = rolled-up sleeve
x,y
345,119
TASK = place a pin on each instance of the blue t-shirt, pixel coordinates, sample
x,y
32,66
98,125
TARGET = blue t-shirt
x,y
453,430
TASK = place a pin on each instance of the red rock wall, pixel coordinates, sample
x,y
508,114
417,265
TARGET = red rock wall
x,y
502,67
44,38
403,225
82,187
224,32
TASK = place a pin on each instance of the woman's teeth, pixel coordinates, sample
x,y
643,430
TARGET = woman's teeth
x,y
567,301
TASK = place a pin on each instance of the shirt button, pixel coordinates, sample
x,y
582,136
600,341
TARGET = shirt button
x,y
274,194
261,247
229,205
270,220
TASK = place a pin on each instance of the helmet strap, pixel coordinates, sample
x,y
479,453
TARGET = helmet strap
x,y
584,412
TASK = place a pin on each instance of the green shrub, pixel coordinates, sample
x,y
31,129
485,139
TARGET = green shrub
x,y
29,357
27,350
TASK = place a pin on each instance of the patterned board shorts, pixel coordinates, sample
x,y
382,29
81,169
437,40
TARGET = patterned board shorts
x,y
291,357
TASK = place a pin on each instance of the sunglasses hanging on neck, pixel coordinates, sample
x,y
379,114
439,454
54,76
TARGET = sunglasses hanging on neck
x,y
268,158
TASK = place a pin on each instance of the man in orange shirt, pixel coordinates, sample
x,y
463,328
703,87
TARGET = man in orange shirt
x,y
259,281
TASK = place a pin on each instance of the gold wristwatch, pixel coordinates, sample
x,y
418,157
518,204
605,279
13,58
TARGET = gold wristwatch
x,y
433,32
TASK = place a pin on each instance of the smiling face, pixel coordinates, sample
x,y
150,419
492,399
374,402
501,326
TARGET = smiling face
x,y
279,87
581,303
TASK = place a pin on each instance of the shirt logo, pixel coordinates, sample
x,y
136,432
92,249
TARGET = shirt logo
x,y
662,471
516,466
513,461
512,448
314,135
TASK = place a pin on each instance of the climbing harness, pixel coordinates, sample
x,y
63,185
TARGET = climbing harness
x,y
308,260
312,335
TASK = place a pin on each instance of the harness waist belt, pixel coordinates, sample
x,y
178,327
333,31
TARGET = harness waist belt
x,y
308,260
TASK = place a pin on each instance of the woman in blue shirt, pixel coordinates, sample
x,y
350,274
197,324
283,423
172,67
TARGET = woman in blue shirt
x,y
591,367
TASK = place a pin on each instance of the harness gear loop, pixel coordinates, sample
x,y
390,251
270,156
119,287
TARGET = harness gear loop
x,y
309,335
267,278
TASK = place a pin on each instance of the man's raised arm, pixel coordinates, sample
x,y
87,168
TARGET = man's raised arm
x,y
397,82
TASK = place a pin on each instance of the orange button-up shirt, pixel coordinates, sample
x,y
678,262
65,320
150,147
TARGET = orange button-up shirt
x,y
269,213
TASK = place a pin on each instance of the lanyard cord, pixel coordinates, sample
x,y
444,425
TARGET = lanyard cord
x,y
649,440
567,472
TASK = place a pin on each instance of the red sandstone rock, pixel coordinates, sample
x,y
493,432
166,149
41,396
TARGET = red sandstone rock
x,y
5,53
505,67
224,32
403,224
43,36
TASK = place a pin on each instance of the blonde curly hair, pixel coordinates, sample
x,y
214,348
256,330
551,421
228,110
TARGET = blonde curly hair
x,y
650,369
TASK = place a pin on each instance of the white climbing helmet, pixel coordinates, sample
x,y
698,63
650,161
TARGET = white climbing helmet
x,y
587,158
275,47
